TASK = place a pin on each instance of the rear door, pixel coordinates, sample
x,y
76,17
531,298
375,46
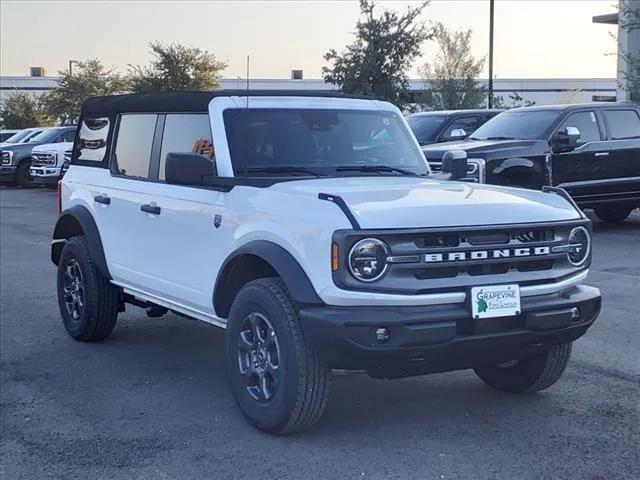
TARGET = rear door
x,y
580,169
623,130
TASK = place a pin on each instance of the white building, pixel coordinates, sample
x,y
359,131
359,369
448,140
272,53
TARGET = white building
x,y
540,91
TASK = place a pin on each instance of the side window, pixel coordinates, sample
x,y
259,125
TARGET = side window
x,y
623,123
133,145
93,136
186,132
468,124
586,123
68,136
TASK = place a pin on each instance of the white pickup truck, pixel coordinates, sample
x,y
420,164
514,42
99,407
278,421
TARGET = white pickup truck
x,y
47,161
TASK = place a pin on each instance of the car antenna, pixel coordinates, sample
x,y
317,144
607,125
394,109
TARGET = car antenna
x,y
246,169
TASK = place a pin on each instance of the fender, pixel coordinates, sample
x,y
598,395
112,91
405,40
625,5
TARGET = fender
x,y
74,221
530,172
279,260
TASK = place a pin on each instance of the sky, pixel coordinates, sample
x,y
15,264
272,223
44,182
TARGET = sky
x,y
533,38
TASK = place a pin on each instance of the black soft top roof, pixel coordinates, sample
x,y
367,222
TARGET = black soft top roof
x,y
186,101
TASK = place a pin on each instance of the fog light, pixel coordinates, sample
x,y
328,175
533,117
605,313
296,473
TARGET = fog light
x,y
575,314
382,334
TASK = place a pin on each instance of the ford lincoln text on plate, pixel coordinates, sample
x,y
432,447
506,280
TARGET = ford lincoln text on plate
x,y
591,150
313,231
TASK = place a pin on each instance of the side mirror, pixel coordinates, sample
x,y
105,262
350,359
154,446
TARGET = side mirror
x,y
457,133
566,139
188,168
454,163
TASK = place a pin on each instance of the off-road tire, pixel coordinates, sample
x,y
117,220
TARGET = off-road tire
x,y
23,177
612,214
302,393
530,374
101,298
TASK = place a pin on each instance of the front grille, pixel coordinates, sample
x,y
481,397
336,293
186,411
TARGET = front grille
x,y
43,159
442,259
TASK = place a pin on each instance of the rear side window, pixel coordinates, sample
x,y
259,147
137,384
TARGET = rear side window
x,y
186,132
586,123
133,144
92,139
623,123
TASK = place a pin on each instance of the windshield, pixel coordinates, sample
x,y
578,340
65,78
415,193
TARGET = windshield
x,y
18,136
320,142
47,136
426,127
519,125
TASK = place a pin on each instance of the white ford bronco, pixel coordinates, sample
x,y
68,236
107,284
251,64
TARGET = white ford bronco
x,y
311,228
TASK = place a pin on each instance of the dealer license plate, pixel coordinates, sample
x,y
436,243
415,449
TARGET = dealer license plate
x,y
495,301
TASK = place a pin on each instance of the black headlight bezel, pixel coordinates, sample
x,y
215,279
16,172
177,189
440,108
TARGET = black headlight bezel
x,y
587,253
385,253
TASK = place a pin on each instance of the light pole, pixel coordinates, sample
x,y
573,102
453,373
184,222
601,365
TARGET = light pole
x,y
71,62
490,100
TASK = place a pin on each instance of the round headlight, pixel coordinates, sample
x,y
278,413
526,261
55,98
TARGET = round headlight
x,y
368,260
579,245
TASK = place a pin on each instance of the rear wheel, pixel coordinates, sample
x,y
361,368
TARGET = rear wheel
x,y
613,214
530,374
276,375
88,302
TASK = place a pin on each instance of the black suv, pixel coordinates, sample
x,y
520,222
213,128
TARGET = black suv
x,y
447,125
591,150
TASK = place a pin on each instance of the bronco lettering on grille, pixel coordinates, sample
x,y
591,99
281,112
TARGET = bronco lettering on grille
x,y
486,254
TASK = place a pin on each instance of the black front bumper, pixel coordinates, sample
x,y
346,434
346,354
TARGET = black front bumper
x,y
7,173
442,338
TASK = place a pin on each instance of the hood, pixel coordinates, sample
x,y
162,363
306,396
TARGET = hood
x,y
410,202
53,147
487,148
18,148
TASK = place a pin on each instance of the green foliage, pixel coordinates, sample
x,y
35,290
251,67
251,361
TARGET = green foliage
x,y
376,62
452,77
22,110
89,78
175,68
515,100
629,20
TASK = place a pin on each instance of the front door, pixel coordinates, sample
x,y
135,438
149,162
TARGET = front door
x,y
580,169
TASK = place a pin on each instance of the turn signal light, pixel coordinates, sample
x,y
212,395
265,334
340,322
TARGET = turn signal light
x,y
334,257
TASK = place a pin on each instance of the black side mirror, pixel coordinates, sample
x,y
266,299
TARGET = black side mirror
x,y
566,139
454,163
188,168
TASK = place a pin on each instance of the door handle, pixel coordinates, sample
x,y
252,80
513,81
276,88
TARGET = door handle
x,y
152,209
602,154
103,199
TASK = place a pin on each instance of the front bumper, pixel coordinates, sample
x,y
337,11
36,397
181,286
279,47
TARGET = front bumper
x,y
7,173
45,175
439,338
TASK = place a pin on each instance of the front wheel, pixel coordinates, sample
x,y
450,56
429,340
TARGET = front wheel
x,y
613,214
276,375
88,302
23,176
531,374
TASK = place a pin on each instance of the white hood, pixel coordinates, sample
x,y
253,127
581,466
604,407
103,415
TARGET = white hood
x,y
406,202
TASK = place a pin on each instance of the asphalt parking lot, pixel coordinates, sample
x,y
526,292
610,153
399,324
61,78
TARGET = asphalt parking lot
x,y
152,401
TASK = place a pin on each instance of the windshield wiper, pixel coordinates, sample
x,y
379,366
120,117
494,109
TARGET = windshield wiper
x,y
374,168
494,138
292,170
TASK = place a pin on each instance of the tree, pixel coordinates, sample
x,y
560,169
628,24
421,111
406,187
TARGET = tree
x,y
515,101
176,68
376,62
89,78
22,110
452,78
629,19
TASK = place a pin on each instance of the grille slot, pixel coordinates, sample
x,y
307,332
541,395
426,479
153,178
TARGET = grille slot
x,y
41,159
